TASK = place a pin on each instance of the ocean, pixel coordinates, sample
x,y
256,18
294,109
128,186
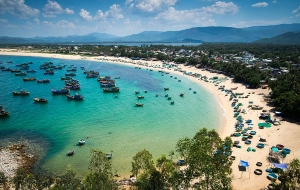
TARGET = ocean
x,y
106,122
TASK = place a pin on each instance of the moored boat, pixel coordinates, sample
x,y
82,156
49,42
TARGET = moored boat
x,y
40,100
75,97
166,88
29,79
81,142
20,74
15,70
109,156
6,69
181,94
70,74
43,81
21,92
140,97
66,78
71,152
60,91
138,104
112,89
3,112
31,71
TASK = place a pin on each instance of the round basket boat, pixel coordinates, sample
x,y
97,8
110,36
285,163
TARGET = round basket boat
x,y
258,163
258,171
232,157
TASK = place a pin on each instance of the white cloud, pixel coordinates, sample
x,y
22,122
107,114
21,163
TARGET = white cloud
x,y
36,21
69,11
113,12
17,8
132,23
260,4
51,9
196,16
128,2
200,16
85,15
99,15
60,24
221,8
274,1
3,20
296,10
298,15
149,6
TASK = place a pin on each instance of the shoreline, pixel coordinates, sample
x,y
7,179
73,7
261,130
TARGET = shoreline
x,y
285,134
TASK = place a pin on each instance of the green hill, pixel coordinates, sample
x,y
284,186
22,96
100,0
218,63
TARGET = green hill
x,y
286,38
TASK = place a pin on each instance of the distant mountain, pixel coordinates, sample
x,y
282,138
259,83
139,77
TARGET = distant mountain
x,y
214,34
286,38
92,37
189,40
192,35
272,30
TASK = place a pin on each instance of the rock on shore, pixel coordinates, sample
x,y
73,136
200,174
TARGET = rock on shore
x,y
14,156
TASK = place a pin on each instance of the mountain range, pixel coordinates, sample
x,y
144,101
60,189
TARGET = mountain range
x,y
283,34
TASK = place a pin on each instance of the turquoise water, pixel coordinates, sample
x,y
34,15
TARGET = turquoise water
x,y
110,123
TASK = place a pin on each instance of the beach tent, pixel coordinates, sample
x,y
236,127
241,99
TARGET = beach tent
x,y
274,149
244,163
267,125
281,166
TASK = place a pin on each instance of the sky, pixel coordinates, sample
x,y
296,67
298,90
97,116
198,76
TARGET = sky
x,y
30,18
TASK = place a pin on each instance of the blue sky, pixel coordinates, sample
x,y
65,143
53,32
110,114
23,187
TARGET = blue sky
x,y
29,18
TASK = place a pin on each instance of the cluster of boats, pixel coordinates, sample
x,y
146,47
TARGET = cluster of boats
x,y
106,82
72,84
50,66
91,74
3,112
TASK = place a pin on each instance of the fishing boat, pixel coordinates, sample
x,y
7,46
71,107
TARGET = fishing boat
x,y
70,74
73,87
15,70
112,89
167,88
60,91
65,78
49,73
71,152
31,71
21,92
43,81
40,100
81,142
137,92
20,74
172,102
109,156
139,105
181,94
117,77
29,79
3,112
75,97
6,69
140,97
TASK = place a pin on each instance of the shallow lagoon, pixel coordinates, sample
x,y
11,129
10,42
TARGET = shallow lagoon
x,y
110,123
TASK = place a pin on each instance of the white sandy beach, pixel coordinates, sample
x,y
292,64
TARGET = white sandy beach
x,y
285,134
